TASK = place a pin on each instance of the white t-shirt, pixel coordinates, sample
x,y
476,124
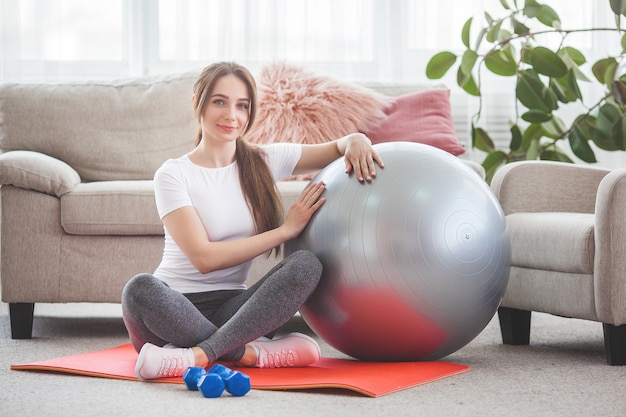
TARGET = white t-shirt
x,y
216,195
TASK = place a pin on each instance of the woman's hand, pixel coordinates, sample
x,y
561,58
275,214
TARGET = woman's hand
x,y
360,157
302,210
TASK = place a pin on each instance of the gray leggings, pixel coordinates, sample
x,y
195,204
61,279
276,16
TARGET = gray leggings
x,y
219,322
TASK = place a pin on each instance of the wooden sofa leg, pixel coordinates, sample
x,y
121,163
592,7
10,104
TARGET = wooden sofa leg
x,y
514,326
21,320
615,344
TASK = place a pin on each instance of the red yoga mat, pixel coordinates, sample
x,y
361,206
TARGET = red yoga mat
x,y
373,379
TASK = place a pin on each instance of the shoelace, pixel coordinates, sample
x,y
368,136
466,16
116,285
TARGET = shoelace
x,y
278,359
172,366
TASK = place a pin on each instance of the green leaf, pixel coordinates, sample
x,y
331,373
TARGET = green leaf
x,y
530,140
505,4
501,63
572,82
584,124
566,88
504,36
555,154
518,27
467,83
439,64
549,17
618,6
623,43
488,18
536,116
481,140
602,131
527,51
533,94
516,138
492,162
618,89
545,14
531,8
547,62
493,32
576,56
465,32
580,146
604,70
619,130
573,59
479,38
533,152
556,85
554,128
468,61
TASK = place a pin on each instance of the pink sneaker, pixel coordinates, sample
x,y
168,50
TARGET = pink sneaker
x,y
292,350
160,362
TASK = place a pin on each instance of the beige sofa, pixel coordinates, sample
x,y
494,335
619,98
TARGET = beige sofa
x,y
78,213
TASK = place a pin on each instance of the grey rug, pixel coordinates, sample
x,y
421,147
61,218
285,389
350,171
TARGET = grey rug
x,y
562,373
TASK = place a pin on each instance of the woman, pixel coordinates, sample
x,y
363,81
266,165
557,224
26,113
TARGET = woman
x,y
220,209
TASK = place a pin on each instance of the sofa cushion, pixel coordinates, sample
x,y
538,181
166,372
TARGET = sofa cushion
x,y
298,106
561,242
422,117
36,171
128,207
111,208
105,131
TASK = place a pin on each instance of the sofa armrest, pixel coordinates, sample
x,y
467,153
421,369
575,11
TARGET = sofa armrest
x,y
475,166
610,245
545,186
37,171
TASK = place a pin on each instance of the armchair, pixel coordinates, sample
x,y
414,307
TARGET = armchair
x,y
568,239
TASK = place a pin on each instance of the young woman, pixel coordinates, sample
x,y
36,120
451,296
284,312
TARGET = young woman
x,y
220,209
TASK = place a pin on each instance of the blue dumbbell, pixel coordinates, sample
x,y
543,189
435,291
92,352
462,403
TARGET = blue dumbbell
x,y
213,383
192,376
237,383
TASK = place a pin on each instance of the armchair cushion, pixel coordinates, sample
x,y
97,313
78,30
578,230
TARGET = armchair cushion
x,y
36,171
560,242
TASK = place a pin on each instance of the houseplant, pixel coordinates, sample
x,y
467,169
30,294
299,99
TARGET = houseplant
x,y
547,79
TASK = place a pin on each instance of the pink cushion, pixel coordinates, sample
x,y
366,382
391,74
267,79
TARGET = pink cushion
x,y
422,117
300,107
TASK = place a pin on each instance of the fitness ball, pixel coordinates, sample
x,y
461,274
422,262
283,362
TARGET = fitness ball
x,y
415,262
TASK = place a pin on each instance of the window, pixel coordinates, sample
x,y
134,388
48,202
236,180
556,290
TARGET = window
x,y
357,40
370,40
61,38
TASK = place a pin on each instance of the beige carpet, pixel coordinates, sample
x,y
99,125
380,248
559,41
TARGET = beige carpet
x,y
562,373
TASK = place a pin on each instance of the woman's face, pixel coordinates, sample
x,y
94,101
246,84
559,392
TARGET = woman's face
x,y
226,112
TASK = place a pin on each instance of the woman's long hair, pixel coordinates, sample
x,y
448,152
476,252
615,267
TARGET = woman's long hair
x,y
257,181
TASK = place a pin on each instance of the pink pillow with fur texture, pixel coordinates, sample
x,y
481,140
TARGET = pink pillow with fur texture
x,y
301,107
422,117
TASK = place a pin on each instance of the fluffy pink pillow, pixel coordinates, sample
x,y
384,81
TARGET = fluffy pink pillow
x,y
423,117
300,107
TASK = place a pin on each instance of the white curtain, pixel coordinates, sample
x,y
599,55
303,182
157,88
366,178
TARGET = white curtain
x,y
368,40
371,40
356,40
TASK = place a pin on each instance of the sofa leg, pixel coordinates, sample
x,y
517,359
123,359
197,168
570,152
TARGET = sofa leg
x,y
615,344
514,326
21,320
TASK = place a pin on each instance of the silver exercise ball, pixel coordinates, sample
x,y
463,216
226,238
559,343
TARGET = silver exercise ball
x,y
415,262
